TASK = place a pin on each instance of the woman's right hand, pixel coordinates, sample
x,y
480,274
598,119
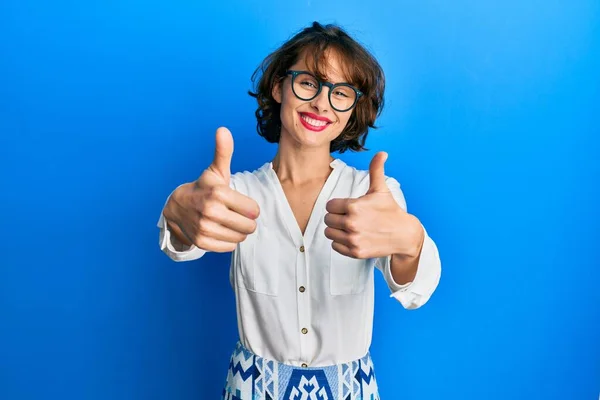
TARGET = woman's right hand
x,y
207,212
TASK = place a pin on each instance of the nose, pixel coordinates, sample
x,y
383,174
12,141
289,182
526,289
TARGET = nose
x,y
321,102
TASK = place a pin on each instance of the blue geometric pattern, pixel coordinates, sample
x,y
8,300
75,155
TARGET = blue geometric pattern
x,y
250,377
308,384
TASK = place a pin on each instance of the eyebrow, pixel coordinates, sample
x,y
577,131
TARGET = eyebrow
x,y
326,80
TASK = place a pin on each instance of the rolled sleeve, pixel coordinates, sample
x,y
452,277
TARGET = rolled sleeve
x,y
414,294
173,248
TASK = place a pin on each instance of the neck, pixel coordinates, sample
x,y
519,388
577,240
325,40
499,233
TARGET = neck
x,y
298,165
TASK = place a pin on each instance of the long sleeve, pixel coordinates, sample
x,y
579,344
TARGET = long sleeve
x,y
171,246
414,294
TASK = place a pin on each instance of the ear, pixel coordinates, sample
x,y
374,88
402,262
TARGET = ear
x,y
276,93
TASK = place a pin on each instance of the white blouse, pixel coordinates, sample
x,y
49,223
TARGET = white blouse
x,y
299,301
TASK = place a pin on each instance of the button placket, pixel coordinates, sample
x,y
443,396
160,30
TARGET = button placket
x,y
303,302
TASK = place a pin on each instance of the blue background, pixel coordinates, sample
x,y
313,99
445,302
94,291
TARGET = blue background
x,y
491,125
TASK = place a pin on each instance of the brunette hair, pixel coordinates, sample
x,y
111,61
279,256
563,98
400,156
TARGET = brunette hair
x,y
359,66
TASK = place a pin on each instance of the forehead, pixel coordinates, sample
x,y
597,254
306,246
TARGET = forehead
x,y
328,65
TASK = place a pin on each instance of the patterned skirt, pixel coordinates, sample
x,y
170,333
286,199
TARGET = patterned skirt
x,y
251,377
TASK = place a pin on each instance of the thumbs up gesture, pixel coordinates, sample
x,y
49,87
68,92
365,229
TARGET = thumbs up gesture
x,y
373,225
207,212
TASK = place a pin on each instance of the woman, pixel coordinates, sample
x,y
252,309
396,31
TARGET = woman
x,y
306,229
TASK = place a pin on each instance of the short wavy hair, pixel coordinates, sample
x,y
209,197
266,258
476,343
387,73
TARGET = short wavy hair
x,y
359,66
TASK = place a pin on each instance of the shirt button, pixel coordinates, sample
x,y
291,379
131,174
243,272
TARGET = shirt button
x,y
304,365
304,331
302,289
301,249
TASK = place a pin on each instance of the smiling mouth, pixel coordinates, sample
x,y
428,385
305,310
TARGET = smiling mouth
x,y
313,124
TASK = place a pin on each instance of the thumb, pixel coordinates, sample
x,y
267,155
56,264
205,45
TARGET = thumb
x,y
223,152
377,173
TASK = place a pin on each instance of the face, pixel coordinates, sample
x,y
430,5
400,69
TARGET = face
x,y
313,123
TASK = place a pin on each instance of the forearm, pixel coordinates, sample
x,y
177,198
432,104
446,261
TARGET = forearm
x,y
403,266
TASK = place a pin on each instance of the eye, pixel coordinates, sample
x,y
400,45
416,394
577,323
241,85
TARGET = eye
x,y
344,92
340,93
308,83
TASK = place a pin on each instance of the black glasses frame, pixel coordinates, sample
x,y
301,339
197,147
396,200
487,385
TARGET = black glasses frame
x,y
330,85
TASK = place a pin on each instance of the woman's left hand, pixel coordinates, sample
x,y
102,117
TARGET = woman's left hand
x,y
373,225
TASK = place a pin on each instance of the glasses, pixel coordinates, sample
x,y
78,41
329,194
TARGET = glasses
x,y
342,96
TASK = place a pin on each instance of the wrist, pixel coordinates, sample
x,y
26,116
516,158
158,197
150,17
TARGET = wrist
x,y
411,242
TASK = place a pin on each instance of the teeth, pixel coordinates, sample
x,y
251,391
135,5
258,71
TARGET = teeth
x,y
314,122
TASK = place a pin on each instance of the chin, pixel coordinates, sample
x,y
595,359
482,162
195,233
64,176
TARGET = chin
x,y
309,138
